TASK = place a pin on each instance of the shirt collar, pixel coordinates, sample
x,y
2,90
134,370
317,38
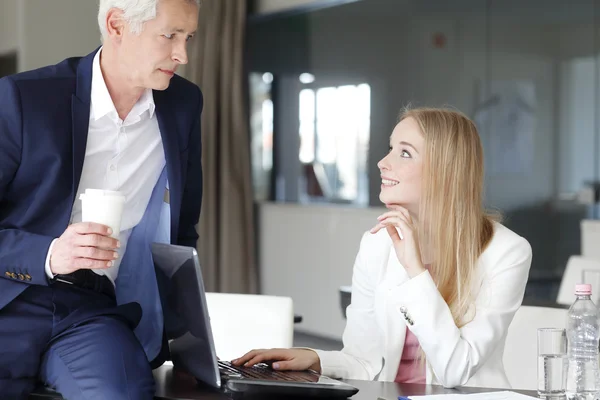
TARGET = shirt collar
x,y
102,103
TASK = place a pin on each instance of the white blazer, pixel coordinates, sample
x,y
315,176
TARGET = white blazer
x,y
385,301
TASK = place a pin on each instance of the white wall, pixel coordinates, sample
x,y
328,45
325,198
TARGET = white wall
x,y
307,253
9,37
57,29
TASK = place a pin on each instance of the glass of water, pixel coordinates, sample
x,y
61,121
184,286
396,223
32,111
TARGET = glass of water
x,y
552,362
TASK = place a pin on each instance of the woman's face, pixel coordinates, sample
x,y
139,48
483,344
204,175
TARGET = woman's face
x,y
401,169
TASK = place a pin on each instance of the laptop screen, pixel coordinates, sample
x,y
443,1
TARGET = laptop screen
x,y
185,311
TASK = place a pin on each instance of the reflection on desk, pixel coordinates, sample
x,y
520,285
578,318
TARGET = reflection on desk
x,y
173,384
177,385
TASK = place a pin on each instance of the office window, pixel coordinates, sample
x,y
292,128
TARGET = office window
x,y
261,131
334,134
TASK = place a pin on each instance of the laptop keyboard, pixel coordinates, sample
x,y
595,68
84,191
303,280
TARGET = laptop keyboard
x,y
265,373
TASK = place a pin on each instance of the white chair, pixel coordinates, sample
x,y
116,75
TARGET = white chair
x,y
242,322
520,351
573,275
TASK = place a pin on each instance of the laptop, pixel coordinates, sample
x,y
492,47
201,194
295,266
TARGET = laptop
x,y
192,346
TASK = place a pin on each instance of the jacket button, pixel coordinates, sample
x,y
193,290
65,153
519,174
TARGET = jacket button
x,y
13,275
7,274
21,277
27,277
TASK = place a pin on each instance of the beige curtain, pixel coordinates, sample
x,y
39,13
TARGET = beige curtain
x,y
226,227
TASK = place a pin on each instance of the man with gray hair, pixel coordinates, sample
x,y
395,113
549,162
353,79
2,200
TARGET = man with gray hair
x,y
80,310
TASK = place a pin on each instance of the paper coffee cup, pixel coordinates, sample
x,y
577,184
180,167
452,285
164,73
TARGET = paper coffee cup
x,y
103,207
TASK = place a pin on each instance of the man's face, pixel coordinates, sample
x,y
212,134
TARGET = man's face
x,y
150,59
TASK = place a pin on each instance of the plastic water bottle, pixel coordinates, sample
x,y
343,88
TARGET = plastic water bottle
x,y
583,376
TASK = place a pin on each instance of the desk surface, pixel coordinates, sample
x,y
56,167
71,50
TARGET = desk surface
x,y
175,385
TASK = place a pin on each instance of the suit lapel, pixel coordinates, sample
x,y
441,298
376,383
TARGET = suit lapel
x,y
169,132
80,109
81,115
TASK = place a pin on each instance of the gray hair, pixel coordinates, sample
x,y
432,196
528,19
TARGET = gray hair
x,y
135,12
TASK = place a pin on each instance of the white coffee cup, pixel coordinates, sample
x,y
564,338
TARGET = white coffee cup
x,y
103,207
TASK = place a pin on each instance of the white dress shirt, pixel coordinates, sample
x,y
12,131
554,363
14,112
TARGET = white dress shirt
x,y
127,156
385,301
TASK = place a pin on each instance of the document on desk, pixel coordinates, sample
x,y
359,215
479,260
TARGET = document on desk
x,y
504,395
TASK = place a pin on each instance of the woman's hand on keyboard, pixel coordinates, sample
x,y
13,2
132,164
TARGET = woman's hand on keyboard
x,y
281,359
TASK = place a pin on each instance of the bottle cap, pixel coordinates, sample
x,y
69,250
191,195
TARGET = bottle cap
x,y
583,289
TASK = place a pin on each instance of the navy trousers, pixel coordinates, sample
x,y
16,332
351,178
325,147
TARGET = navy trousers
x,y
76,341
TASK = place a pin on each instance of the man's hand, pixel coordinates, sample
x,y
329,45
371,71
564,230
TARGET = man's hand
x,y
85,245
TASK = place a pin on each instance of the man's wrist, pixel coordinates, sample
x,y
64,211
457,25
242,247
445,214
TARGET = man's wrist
x,y
47,267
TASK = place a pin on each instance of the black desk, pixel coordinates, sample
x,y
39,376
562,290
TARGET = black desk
x,y
175,385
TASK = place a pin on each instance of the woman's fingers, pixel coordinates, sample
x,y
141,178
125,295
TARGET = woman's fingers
x,y
406,229
257,359
394,234
258,356
376,228
395,221
292,365
395,214
248,356
280,359
392,217
404,212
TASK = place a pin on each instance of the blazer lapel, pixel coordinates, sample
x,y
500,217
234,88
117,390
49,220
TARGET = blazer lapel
x,y
169,132
80,108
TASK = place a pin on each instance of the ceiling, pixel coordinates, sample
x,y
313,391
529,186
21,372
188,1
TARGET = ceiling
x,y
535,12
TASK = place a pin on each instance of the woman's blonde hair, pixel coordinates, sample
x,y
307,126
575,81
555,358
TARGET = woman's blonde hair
x,y
453,224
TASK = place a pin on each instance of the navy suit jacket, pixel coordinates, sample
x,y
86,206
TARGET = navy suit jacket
x,y
44,118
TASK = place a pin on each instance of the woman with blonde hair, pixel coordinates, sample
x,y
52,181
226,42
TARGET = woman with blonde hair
x,y
437,280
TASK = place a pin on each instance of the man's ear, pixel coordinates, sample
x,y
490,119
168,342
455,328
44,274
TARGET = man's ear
x,y
115,24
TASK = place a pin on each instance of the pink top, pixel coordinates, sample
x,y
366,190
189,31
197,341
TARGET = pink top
x,y
411,369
